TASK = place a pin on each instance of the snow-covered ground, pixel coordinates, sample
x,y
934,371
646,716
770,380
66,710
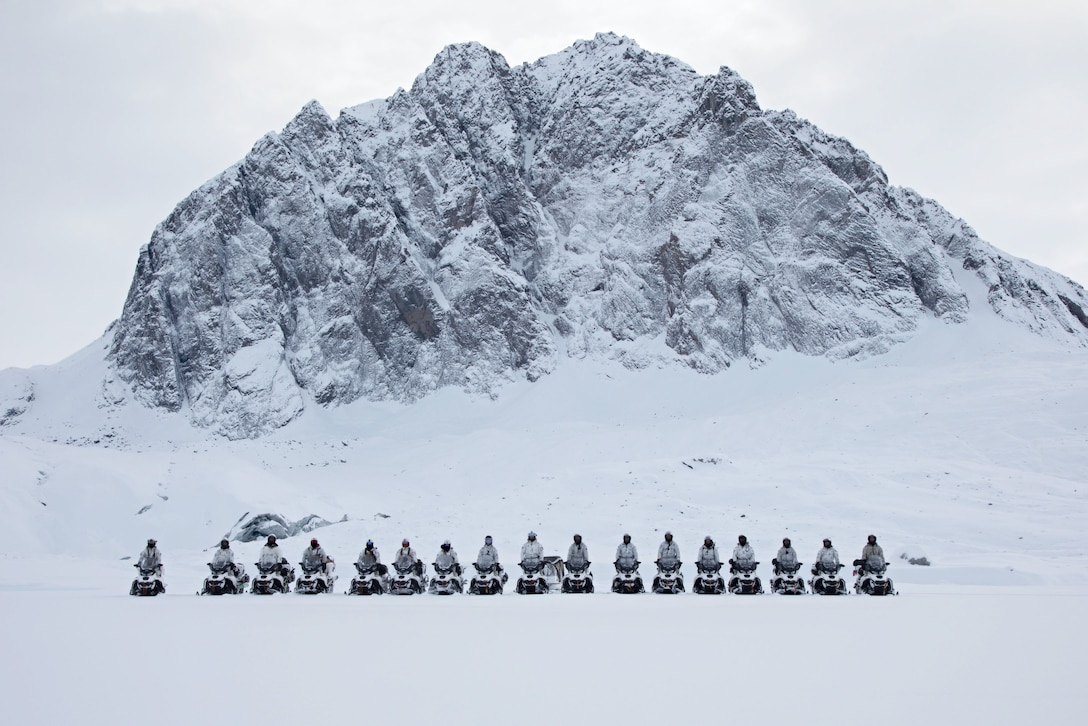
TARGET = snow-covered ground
x,y
965,445
934,655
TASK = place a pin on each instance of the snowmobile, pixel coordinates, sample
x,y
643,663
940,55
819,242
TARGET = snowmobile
x,y
627,581
315,579
873,579
368,581
787,581
578,578
708,580
743,580
447,578
272,577
225,579
488,580
668,579
826,580
532,581
148,583
406,580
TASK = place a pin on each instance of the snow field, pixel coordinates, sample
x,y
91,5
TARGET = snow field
x,y
939,655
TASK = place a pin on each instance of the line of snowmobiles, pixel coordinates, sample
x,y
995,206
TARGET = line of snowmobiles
x,y
786,580
537,578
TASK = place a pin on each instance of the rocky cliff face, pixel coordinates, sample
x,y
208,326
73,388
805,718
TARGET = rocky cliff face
x,y
491,221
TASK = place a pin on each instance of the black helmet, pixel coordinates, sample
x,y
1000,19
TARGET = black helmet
x,y
487,539
370,544
827,542
742,540
709,539
577,538
668,536
271,539
872,539
786,542
151,543
626,538
224,544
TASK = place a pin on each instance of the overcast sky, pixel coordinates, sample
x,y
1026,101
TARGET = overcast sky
x,y
114,110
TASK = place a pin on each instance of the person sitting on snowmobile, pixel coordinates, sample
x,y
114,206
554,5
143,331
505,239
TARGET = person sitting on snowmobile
x,y
532,552
626,554
577,554
151,558
827,559
224,558
370,557
314,557
872,555
708,558
488,556
743,554
786,557
271,556
668,553
406,558
446,556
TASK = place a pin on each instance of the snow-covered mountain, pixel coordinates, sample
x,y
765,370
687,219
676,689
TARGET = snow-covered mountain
x,y
493,222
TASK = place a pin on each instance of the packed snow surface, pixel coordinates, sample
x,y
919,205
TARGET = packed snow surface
x,y
965,445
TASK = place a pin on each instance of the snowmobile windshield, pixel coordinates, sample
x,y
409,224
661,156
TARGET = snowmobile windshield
x,y
669,563
443,562
403,566
533,565
484,562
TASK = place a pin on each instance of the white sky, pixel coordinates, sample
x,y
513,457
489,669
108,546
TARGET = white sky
x,y
114,110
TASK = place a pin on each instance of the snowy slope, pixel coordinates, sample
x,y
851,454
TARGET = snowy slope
x,y
970,449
